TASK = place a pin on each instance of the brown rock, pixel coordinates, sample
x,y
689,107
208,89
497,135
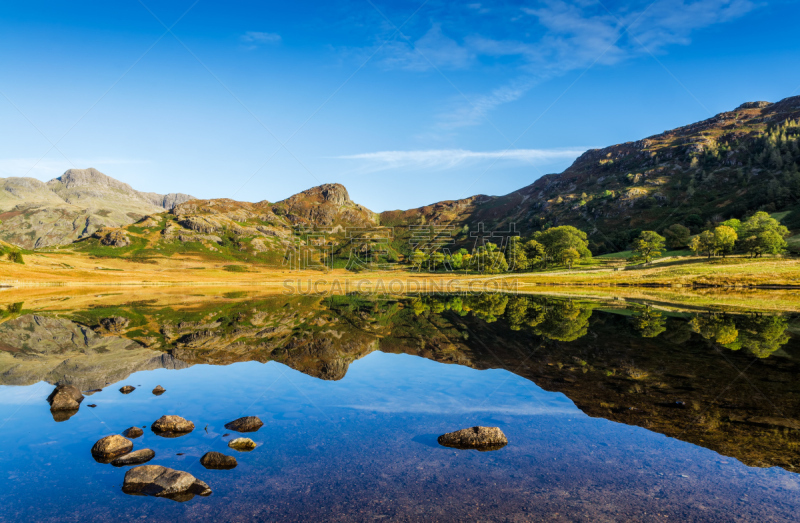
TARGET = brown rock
x,y
217,460
242,444
479,438
133,432
172,426
115,324
246,424
159,390
127,389
155,480
108,448
65,397
137,457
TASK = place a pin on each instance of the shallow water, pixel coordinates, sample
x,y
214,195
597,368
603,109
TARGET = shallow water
x,y
360,444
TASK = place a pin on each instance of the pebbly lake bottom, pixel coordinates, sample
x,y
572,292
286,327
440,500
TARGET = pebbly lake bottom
x,y
364,448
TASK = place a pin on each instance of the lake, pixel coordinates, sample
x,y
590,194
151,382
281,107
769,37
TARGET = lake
x,y
614,410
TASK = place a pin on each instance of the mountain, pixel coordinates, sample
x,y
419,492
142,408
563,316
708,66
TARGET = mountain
x,y
724,167
73,206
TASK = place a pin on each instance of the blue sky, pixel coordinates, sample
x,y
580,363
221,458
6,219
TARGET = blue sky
x,y
405,103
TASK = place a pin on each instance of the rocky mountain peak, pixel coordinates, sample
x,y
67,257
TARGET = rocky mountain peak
x,y
753,105
334,193
73,178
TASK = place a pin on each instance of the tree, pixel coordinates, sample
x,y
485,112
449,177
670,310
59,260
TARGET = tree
x,y
677,236
534,251
490,260
517,258
570,256
703,243
734,224
648,245
437,258
556,240
763,234
650,323
724,239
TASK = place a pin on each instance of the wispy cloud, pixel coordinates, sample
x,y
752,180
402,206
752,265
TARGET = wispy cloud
x,y
441,159
255,38
553,37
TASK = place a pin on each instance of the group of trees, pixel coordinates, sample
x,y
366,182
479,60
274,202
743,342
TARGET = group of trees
x,y
563,245
760,335
760,234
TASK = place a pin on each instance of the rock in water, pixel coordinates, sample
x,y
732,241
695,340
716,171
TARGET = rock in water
x,y
137,457
155,480
218,460
159,390
108,448
172,426
133,432
246,424
65,397
242,444
127,389
479,438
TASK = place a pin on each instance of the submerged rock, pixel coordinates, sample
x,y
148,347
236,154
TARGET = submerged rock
x,y
65,397
108,448
218,460
246,424
137,457
127,389
478,438
159,390
155,480
242,444
172,426
132,432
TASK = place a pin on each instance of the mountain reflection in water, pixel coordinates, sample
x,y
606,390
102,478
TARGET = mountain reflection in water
x,y
725,381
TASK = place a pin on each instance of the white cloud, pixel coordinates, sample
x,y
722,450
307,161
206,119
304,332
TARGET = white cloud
x,y
552,39
254,38
441,159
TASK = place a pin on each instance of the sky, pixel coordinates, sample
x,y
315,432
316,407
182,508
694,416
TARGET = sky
x,y
405,103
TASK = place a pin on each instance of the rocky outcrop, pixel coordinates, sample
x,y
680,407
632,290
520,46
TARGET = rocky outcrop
x,y
155,480
242,444
127,389
65,397
112,237
136,457
478,438
110,447
246,424
172,426
217,460
114,324
73,206
159,390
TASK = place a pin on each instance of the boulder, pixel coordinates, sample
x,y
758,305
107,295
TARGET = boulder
x,y
159,390
242,444
110,447
218,460
172,426
155,480
65,397
479,438
115,324
127,389
246,424
132,432
137,457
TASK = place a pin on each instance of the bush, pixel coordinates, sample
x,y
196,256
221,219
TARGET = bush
x,y
16,257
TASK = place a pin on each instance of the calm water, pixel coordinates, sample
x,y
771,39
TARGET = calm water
x,y
612,414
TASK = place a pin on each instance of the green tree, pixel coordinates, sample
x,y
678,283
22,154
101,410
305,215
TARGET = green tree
x,y
490,260
556,240
564,321
734,224
763,234
648,245
570,256
517,258
535,253
703,243
677,236
725,239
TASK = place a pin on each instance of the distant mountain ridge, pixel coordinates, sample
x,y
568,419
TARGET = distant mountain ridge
x,y
35,214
